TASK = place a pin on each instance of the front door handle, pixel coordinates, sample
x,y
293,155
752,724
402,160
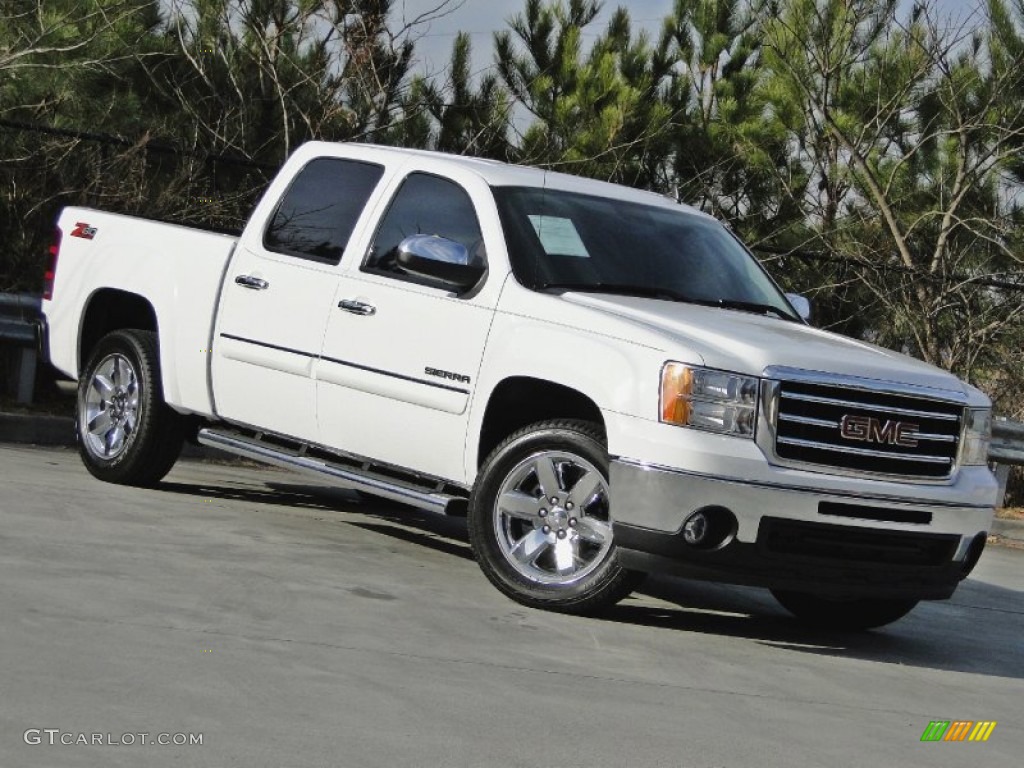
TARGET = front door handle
x,y
357,307
255,283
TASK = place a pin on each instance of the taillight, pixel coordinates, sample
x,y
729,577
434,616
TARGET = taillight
x,y
51,265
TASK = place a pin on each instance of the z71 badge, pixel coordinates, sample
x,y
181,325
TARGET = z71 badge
x,y
83,231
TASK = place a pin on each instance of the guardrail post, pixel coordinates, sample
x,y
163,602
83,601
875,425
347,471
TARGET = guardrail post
x,y
1002,475
26,368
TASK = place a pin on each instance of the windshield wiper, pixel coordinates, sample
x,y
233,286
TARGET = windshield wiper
x,y
647,291
744,306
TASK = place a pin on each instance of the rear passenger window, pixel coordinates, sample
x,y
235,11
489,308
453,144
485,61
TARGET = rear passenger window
x,y
319,211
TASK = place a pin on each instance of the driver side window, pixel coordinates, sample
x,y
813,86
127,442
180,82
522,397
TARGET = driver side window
x,y
425,205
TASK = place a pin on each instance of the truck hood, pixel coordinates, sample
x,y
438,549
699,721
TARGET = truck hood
x,y
749,343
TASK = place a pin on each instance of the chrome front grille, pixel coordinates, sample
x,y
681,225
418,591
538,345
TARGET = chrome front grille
x,y
865,431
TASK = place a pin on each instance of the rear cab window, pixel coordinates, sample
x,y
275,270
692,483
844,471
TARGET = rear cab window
x,y
317,214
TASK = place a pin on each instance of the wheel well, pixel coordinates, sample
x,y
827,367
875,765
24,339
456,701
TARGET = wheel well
x,y
522,400
111,310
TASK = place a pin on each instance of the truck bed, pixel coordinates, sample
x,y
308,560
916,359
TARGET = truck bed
x,y
177,270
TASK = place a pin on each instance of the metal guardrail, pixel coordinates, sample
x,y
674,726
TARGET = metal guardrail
x,y
1006,450
19,313
19,327
1007,442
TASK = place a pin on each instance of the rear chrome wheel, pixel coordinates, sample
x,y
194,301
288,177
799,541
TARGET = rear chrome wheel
x,y
126,432
109,410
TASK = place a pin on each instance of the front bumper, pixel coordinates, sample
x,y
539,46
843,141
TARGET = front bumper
x,y
796,537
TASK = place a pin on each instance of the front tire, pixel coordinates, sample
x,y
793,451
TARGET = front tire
x,y
127,434
854,614
540,523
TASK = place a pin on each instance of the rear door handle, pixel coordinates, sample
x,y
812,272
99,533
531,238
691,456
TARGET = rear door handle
x,y
255,283
357,307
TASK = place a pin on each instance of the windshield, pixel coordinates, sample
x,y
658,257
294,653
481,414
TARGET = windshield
x,y
581,242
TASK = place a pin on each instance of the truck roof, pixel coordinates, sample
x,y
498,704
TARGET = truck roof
x,y
501,174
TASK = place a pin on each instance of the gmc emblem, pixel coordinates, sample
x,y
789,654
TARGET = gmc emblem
x,y
867,429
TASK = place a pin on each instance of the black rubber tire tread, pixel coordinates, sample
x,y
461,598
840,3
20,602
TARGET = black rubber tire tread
x,y
607,585
160,432
853,615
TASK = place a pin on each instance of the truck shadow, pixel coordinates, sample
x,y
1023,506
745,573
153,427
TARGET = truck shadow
x,y
287,495
978,631
387,518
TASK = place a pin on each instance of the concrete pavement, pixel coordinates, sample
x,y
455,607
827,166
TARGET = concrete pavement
x,y
292,625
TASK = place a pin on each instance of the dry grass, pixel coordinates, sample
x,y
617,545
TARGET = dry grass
x,y
1002,541
1011,513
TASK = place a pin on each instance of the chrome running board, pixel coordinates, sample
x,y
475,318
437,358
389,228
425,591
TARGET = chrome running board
x,y
430,495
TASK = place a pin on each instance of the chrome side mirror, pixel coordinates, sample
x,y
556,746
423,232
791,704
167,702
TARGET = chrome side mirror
x,y
801,304
440,259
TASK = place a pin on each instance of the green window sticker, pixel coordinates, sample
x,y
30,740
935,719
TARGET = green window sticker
x,y
559,236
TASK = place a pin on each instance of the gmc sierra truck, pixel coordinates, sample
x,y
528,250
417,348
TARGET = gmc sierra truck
x,y
605,382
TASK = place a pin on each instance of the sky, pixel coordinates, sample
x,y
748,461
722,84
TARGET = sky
x,y
481,18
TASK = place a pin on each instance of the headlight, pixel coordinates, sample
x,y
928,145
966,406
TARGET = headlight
x,y
702,398
977,433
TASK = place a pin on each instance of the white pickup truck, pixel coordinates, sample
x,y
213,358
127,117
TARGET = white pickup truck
x,y
606,382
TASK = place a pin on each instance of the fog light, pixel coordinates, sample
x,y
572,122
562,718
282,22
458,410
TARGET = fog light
x,y
709,527
695,529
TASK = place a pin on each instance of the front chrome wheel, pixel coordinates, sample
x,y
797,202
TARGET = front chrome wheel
x,y
540,519
552,518
109,411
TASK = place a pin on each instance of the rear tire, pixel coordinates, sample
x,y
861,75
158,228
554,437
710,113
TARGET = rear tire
x,y
539,520
852,614
127,434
